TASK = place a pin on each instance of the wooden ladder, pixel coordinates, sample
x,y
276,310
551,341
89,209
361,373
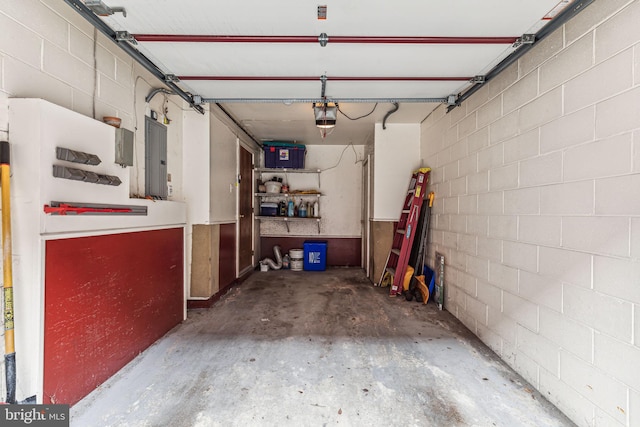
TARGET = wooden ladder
x,y
405,231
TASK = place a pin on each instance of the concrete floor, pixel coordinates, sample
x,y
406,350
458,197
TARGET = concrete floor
x,y
316,349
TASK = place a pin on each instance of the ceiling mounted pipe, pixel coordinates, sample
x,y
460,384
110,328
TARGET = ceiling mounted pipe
x,y
251,78
326,78
322,100
204,38
422,40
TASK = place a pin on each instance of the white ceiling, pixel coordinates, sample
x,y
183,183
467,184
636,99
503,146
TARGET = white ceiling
x,y
374,18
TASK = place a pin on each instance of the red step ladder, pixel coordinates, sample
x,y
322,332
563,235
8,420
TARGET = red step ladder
x,y
404,231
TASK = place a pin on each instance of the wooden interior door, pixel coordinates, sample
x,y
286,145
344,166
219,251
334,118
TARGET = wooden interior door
x,y
245,210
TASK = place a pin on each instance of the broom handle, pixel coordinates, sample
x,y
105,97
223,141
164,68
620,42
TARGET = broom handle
x,y
7,287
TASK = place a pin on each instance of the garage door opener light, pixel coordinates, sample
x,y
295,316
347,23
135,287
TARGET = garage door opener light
x,y
326,114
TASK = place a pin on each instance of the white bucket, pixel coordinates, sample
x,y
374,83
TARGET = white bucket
x,y
264,267
297,259
273,186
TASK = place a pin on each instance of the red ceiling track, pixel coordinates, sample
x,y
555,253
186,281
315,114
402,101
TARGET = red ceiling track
x,y
203,38
315,78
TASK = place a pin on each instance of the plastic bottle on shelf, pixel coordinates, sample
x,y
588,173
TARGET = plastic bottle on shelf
x,y
290,208
302,210
316,210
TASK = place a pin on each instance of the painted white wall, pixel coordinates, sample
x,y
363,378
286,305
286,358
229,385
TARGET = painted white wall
x,y
224,172
537,182
196,165
397,149
48,51
196,172
37,128
341,186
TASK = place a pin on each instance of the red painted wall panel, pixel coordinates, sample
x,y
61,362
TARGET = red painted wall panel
x,y
227,262
107,298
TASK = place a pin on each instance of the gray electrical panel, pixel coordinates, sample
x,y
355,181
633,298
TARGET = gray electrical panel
x,y
124,147
155,137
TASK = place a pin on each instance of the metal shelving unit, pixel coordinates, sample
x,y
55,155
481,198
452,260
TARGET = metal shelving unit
x,y
288,219
286,171
288,195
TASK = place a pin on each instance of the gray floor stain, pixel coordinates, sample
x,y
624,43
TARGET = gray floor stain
x,y
316,348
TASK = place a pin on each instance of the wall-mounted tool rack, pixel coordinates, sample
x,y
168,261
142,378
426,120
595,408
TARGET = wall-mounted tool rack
x,y
85,176
75,156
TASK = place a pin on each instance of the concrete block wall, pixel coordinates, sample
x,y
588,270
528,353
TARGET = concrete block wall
x,y
537,182
48,51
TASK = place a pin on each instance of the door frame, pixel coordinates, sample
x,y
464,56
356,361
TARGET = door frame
x,y
366,214
241,270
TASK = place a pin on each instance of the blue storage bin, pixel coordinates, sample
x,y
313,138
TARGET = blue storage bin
x,y
315,255
284,155
430,280
268,209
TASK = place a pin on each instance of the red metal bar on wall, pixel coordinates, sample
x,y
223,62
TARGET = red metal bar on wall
x,y
65,208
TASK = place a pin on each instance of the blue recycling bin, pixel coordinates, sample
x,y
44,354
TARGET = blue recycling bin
x,y
315,255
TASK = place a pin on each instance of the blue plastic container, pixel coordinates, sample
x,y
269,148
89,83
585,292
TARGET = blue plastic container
x,y
430,280
315,255
284,155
